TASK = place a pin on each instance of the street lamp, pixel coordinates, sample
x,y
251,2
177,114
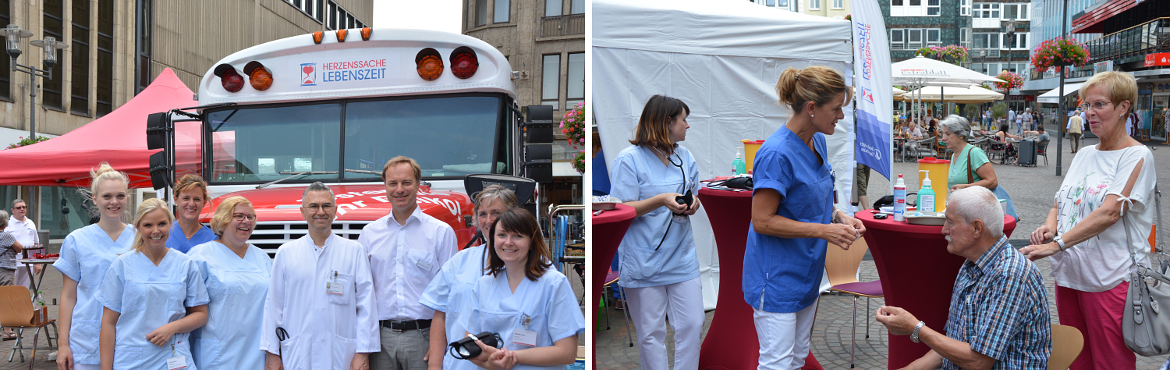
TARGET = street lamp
x,y
12,36
1011,34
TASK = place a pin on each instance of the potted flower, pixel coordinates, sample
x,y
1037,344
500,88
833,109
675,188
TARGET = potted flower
x,y
1012,81
952,54
26,142
573,126
1059,52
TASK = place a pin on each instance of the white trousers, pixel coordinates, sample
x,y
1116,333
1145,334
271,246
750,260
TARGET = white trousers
x,y
784,337
648,309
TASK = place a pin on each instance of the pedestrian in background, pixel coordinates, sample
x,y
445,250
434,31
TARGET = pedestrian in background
x,y
793,199
1075,126
1107,190
25,231
9,247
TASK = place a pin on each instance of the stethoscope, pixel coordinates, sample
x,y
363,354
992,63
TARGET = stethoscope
x,y
685,198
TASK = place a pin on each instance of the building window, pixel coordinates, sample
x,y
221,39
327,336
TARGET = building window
x,y
577,7
480,12
1015,11
914,39
814,4
986,10
933,37
1018,41
550,81
914,8
964,7
105,57
6,63
896,2
312,8
838,4
576,85
552,8
142,47
79,104
964,39
331,10
501,10
986,40
897,39
55,27
932,7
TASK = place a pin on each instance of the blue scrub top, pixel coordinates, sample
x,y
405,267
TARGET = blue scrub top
x,y
178,240
548,304
449,292
237,288
638,174
782,275
86,256
148,297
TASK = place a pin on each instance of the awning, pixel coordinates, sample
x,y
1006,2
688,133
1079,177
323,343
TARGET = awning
x,y
1050,97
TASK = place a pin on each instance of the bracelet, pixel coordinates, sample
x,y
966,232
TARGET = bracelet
x,y
914,335
1059,242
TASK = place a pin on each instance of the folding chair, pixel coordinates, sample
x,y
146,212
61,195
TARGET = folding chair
x,y
841,266
16,311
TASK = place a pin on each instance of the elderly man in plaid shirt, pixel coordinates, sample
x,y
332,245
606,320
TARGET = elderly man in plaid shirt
x,y
999,306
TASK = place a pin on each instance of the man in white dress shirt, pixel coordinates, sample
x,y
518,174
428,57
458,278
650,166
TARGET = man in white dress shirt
x,y
25,232
406,248
320,313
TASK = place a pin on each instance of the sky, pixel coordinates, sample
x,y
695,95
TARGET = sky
x,y
439,15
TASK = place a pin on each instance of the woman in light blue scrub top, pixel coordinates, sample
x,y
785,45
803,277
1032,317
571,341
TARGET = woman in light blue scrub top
x,y
190,197
86,255
448,292
530,305
793,218
237,275
659,268
153,299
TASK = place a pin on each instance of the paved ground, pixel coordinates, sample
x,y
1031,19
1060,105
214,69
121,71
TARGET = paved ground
x,y
1032,190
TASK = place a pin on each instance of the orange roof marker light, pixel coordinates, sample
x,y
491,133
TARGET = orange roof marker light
x,y
429,64
229,78
341,35
258,76
366,31
317,36
464,63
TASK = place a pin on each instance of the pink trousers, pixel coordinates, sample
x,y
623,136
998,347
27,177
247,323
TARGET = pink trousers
x,y
1098,317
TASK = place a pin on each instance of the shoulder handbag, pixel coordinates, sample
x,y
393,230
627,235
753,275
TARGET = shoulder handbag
x,y
1000,193
1144,325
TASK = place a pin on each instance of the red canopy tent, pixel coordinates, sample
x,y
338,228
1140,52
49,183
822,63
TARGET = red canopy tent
x,y
118,138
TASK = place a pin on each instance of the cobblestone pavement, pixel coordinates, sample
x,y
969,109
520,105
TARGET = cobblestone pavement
x,y
1031,189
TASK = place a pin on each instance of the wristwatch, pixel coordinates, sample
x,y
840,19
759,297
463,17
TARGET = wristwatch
x,y
1059,242
914,335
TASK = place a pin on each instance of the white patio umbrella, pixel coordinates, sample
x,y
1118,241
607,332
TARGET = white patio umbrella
x,y
964,95
921,71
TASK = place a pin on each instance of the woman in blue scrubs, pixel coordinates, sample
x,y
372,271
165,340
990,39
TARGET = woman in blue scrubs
x,y
153,299
86,255
793,218
530,305
237,275
187,232
448,292
659,267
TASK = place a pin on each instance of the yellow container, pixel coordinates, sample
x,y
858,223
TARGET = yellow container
x,y
749,151
939,169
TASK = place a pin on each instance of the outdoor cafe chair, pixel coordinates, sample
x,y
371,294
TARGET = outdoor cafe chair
x,y
1067,343
841,266
610,279
16,311
1042,150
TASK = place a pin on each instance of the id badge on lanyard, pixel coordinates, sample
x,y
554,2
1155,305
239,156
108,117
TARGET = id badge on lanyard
x,y
335,286
524,336
176,362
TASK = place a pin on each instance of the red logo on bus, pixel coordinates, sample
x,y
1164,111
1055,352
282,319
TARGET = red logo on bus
x,y
308,74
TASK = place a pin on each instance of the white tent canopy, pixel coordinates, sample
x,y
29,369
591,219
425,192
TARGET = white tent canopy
x,y
962,95
1050,97
922,71
723,58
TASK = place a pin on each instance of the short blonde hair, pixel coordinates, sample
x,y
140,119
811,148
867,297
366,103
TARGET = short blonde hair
x,y
148,206
399,160
1121,87
223,214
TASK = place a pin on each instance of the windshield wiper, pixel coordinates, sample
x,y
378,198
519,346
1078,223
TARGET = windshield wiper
x,y
293,176
363,171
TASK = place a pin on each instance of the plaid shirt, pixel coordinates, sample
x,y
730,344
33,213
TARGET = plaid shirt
x,y
1000,307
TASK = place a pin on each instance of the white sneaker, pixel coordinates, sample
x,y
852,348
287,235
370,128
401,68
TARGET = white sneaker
x,y
53,356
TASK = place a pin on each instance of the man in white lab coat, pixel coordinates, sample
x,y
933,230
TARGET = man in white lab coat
x,y
320,313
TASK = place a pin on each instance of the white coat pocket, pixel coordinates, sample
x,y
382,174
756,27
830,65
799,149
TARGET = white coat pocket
x,y
343,350
420,263
339,289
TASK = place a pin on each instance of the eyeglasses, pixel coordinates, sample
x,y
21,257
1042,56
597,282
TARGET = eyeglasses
x,y
1096,106
241,217
20,207
323,207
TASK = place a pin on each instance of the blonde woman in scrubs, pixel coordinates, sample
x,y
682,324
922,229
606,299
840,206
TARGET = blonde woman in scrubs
x,y
531,306
153,299
86,255
237,275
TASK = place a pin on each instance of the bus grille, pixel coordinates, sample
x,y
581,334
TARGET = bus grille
x,y
270,235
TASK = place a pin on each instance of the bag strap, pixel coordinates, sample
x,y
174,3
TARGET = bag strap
x,y
970,178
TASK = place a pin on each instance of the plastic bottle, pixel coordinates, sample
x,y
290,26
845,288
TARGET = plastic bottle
x,y
900,199
926,199
39,305
738,167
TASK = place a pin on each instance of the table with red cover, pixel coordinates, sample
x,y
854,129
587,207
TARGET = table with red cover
x,y
608,230
917,274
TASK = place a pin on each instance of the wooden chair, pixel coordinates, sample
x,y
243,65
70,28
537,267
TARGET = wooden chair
x,y
841,266
16,311
1067,342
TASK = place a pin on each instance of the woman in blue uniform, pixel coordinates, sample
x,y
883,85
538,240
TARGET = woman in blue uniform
x,y
447,293
152,298
793,218
86,255
187,232
659,267
531,306
237,275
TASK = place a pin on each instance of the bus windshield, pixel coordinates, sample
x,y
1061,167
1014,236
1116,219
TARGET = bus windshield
x,y
449,137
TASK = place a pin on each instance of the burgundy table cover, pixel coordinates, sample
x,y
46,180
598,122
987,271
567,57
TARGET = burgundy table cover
x,y
608,230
